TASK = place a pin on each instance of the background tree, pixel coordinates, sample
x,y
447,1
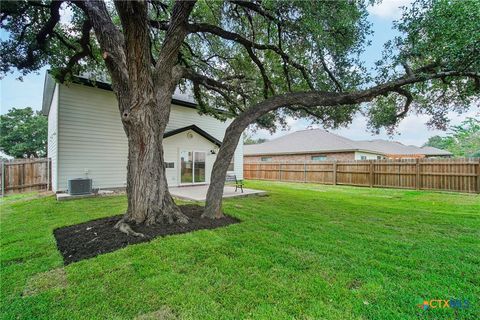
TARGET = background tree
x,y
23,133
463,141
248,139
257,62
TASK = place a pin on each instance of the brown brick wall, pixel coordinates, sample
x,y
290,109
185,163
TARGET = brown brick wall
x,y
302,157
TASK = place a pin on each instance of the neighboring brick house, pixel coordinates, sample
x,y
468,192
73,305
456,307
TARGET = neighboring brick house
x,y
317,144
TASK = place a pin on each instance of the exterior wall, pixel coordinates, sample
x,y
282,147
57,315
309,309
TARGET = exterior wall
x,y
52,144
302,156
92,142
174,144
369,156
182,117
91,138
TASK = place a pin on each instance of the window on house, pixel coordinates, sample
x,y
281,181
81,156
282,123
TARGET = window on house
x,y
231,166
363,157
321,157
379,157
169,165
266,159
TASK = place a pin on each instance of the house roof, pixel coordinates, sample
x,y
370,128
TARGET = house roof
x,y
432,151
304,141
178,98
317,141
195,129
397,148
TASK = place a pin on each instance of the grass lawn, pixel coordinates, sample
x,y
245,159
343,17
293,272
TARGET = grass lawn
x,y
305,251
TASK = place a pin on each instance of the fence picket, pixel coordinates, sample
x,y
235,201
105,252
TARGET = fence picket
x,y
461,175
21,175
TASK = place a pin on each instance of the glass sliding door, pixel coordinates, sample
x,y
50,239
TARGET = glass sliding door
x,y
199,167
192,167
186,168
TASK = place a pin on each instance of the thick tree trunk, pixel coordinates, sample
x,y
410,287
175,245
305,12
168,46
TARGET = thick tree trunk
x,y
149,200
213,205
144,89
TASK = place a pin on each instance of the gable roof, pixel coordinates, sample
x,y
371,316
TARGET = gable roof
x,y
178,98
397,148
317,141
196,130
303,141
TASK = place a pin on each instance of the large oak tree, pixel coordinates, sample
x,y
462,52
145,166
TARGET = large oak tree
x,y
257,62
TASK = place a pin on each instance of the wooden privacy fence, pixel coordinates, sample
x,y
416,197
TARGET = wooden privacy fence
x,y
22,175
461,175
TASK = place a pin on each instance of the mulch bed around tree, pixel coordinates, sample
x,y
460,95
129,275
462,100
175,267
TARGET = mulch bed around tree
x,y
89,239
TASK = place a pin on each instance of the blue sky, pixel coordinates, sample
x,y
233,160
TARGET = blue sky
x,y
412,130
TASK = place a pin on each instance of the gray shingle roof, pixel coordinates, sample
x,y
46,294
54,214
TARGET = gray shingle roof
x,y
317,140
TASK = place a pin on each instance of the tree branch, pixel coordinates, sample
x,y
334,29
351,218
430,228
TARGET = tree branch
x,y
111,42
409,99
209,82
331,75
176,32
267,84
247,44
322,98
407,68
84,42
134,18
256,8
41,38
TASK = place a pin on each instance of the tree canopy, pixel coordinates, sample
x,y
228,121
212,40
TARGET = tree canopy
x,y
248,139
237,53
462,141
23,133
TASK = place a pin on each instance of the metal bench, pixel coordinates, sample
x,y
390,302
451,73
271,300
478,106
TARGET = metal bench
x,y
233,178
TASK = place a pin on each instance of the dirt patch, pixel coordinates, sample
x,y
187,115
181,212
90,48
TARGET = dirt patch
x,y
53,279
355,284
89,239
162,314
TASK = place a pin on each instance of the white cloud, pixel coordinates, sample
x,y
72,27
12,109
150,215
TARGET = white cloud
x,y
389,9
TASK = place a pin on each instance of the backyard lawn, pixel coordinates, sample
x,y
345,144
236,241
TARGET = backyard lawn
x,y
305,251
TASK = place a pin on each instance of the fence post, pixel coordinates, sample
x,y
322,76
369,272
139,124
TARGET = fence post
x,y
48,174
279,171
305,171
371,173
3,178
478,176
417,174
335,172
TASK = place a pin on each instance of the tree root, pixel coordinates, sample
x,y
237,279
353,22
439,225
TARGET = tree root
x,y
181,218
124,227
174,216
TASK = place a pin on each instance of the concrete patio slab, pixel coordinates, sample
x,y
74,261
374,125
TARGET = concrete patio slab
x,y
195,193
100,193
199,193
66,196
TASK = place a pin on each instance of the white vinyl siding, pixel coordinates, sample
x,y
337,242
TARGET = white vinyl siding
x,y
181,117
91,138
179,142
92,142
52,142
